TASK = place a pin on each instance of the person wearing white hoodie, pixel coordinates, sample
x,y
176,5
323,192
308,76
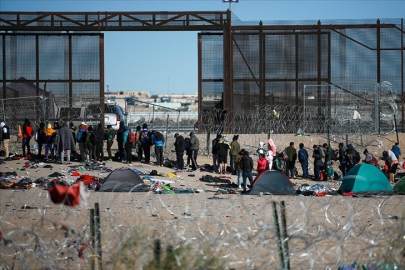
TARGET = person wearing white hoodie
x,y
5,137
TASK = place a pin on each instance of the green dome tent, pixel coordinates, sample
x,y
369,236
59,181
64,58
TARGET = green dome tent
x,y
399,187
272,182
365,178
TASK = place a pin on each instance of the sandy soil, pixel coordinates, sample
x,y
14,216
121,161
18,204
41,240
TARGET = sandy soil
x,y
239,229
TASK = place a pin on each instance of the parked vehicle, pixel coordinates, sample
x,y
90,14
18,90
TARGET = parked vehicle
x,y
91,114
113,115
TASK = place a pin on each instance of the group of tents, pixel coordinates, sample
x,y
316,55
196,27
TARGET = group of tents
x,y
363,178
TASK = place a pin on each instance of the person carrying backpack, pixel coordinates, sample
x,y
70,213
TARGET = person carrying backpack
x,y
110,140
81,139
145,142
158,141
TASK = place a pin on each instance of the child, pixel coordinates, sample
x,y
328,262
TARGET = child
x,y
261,163
330,172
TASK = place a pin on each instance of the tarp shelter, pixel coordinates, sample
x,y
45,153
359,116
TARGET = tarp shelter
x,y
272,182
123,180
365,178
399,187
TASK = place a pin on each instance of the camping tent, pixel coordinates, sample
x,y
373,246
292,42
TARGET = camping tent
x,y
123,180
365,178
400,186
272,182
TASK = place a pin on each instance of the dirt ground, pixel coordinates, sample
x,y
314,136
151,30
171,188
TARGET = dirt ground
x,y
240,229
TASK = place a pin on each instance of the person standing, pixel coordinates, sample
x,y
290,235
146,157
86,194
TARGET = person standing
x,y
270,153
239,172
110,140
303,159
81,139
5,138
215,146
261,164
223,148
138,144
179,147
328,153
65,142
292,158
145,142
99,140
235,148
194,147
158,141
246,165
342,159
48,141
396,150
26,136
128,144
39,137
120,141
90,143
392,162
317,156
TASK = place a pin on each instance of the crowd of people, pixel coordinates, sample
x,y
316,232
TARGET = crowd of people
x,y
60,140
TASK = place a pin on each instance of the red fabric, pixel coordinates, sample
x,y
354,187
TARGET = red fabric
x,y
348,193
322,175
323,193
27,165
28,130
87,179
261,164
68,195
75,173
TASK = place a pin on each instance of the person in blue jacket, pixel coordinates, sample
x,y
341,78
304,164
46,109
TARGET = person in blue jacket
x,y
158,141
396,150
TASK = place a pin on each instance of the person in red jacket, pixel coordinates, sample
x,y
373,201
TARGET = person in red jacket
x,y
26,136
261,163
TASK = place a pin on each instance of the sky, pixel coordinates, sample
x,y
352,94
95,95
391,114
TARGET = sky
x,y
166,62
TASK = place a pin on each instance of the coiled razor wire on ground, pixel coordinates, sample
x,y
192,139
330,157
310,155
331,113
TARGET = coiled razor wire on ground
x,y
240,230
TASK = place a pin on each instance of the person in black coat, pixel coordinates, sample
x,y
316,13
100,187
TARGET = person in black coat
x,y
40,136
317,156
99,140
179,147
120,141
246,165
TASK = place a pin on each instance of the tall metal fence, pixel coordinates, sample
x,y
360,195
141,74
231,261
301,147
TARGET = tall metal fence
x,y
347,109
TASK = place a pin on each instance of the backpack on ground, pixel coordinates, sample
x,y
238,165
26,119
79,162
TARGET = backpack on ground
x,y
131,137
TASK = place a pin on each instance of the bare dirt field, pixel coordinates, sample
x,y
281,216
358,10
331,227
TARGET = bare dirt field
x,y
239,230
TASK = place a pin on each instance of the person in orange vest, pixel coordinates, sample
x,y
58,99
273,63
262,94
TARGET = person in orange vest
x,y
26,136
